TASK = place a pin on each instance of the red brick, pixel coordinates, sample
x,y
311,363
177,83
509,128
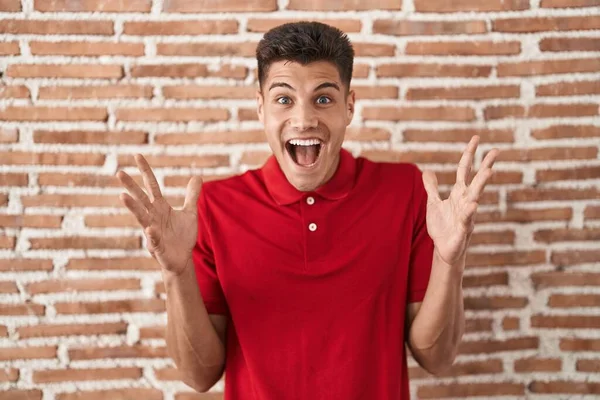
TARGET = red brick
x,y
575,344
534,364
565,321
137,351
208,49
592,212
7,242
494,279
78,242
14,92
19,394
10,5
184,92
185,6
405,70
93,5
571,234
82,180
13,179
458,135
542,280
56,27
540,111
573,300
574,257
492,237
113,394
566,131
95,92
493,366
112,221
588,366
9,49
112,307
374,49
407,28
172,70
361,71
428,157
182,180
470,389
55,330
172,114
9,135
404,113
548,67
39,113
376,92
187,27
570,44
88,71
473,325
262,25
28,353
541,24
568,174
90,137
548,153
28,158
568,3
9,375
562,386
496,346
503,111
30,221
515,258
344,5
25,265
199,161
498,178
153,332
495,303
8,287
87,374
464,48
464,93
578,88
531,194
511,323
79,48
82,285
444,6
228,137
113,263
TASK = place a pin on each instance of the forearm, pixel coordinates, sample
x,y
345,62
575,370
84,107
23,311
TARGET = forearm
x,y
436,331
192,340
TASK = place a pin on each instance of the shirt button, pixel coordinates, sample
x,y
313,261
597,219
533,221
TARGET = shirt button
x,y
312,227
310,201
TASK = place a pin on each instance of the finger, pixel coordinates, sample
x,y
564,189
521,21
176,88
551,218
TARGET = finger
x,y
148,176
194,187
464,165
431,186
483,176
137,210
134,189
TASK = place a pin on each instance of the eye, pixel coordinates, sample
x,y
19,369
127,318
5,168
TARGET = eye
x,y
284,100
323,100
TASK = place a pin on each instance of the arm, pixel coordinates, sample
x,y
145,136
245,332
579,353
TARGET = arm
x,y
436,326
195,339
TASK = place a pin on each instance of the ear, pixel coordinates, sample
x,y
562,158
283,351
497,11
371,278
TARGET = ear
x,y
260,106
350,99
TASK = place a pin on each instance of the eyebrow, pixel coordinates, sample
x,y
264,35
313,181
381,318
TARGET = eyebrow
x,y
321,86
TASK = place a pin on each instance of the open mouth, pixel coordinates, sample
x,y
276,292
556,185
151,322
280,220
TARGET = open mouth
x,y
304,152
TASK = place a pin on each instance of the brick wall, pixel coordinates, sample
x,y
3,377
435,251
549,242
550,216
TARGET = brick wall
x,y
88,83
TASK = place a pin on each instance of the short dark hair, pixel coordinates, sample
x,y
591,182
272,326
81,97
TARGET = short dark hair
x,y
305,42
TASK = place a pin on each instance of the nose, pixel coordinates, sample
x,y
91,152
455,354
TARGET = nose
x,y
303,119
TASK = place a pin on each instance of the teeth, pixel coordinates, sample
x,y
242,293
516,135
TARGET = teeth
x,y
306,142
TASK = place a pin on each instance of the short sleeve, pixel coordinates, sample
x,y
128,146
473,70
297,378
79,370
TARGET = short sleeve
x,y
204,263
421,251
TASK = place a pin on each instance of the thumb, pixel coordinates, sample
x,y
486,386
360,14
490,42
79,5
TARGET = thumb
x,y
192,193
431,186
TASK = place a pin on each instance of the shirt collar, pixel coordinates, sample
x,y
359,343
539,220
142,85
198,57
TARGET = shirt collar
x,y
284,193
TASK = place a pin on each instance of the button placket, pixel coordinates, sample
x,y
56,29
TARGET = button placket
x,y
312,227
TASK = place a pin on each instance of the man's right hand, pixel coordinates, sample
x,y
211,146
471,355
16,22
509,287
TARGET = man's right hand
x,y
171,234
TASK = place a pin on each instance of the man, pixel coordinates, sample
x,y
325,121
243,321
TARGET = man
x,y
304,279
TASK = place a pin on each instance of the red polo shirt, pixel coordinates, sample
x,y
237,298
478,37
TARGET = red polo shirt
x,y
316,284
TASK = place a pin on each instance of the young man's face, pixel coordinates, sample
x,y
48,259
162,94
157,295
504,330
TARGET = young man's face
x,y
305,110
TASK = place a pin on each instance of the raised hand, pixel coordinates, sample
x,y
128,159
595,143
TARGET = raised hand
x,y
450,222
171,234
